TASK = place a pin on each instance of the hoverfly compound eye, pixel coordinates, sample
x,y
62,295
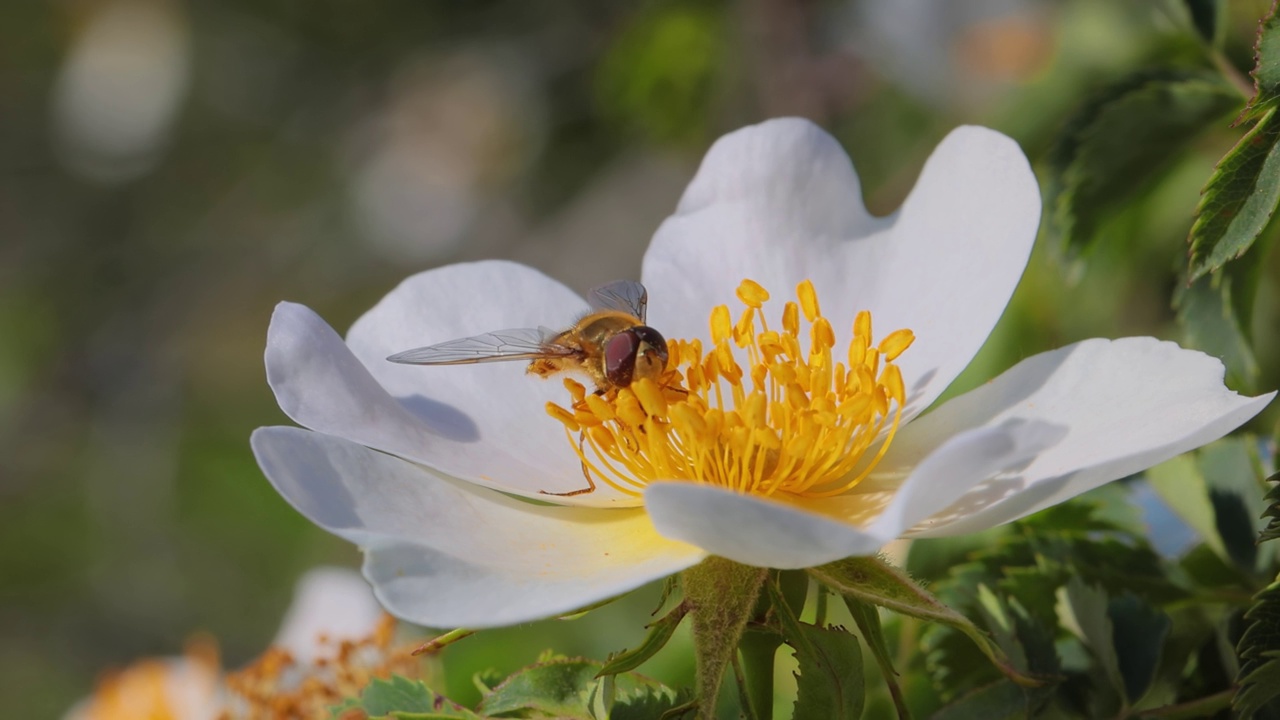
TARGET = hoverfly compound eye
x,y
620,357
652,344
651,353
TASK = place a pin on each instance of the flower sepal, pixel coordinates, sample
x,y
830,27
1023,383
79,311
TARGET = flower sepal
x,y
872,580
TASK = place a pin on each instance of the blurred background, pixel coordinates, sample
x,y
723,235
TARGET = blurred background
x,y
170,170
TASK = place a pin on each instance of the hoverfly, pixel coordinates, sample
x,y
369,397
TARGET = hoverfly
x,y
611,344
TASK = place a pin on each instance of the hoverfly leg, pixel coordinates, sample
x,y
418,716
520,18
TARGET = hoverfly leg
x,y
586,474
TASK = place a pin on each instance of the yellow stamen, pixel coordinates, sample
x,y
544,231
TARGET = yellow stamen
x,y
806,423
752,295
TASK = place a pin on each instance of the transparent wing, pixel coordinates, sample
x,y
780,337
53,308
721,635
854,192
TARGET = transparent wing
x,y
625,296
518,344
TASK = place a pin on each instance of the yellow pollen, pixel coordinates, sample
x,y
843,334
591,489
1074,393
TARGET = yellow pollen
x,y
761,411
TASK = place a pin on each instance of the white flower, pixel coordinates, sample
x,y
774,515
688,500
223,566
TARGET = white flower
x,y
426,467
333,633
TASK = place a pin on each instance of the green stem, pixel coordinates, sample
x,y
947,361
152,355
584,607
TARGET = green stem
x,y
758,652
1202,707
820,607
744,699
440,642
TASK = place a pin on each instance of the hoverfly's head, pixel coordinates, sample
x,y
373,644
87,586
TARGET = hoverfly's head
x,y
634,353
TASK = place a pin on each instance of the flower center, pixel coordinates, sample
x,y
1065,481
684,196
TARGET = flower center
x,y
794,421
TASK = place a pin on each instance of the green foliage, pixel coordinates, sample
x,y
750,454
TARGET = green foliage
x,y
1266,70
867,618
1239,199
1123,140
874,581
1259,647
659,78
1259,652
403,699
1241,196
1001,700
1272,530
830,683
555,687
1205,17
660,631
1212,322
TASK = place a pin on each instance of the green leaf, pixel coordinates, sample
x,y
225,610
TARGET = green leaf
x,y
1272,530
567,688
999,701
830,683
1230,468
647,703
871,580
400,697
1266,70
1138,634
1124,139
867,617
1239,199
1211,322
1088,605
1204,17
660,631
1180,484
1259,652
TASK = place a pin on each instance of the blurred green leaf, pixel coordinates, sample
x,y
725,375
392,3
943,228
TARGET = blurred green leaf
x,y
569,688
1123,140
1088,605
999,701
871,580
660,631
1180,484
1204,17
659,76
400,697
1230,468
1138,633
1259,652
1208,569
1211,324
1266,70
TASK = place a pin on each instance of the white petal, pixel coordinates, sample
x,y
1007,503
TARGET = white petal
x,y
331,603
1126,405
753,530
447,554
808,532
484,423
955,467
779,203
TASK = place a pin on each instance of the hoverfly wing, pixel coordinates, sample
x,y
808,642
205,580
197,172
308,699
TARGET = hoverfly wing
x,y
517,344
626,296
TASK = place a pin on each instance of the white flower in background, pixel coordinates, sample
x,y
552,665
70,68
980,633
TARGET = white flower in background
x,y
120,89
333,640
790,461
